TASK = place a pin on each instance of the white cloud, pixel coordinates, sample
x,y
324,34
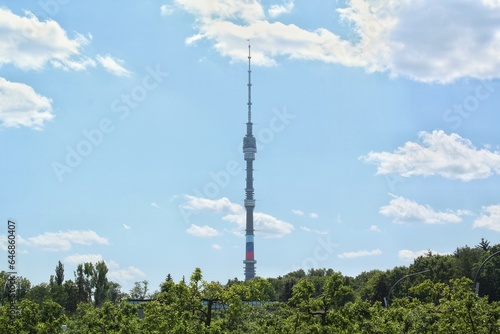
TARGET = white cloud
x,y
298,212
216,246
77,259
426,40
301,213
210,205
202,231
166,10
407,211
63,241
125,226
374,228
31,44
409,255
489,218
28,43
265,225
113,65
449,156
20,241
245,10
129,274
307,229
155,205
278,10
362,253
20,105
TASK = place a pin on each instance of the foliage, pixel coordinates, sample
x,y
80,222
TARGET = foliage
x,y
433,295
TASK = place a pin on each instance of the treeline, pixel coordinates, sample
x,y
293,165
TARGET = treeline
x,y
435,294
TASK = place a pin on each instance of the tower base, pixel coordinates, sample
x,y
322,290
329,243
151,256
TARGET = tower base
x,y
249,269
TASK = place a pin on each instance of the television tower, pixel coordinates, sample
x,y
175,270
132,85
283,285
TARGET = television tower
x,y
249,150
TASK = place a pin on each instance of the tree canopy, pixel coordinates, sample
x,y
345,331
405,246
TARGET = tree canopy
x,y
434,294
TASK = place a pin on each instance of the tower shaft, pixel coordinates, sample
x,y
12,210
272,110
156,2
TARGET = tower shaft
x,y
249,150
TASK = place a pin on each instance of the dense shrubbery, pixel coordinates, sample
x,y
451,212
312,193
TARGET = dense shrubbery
x,y
441,300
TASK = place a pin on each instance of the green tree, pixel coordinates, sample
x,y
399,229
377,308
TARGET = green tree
x,y
483,245
46,318
140,290
59,273
89,282
23,287
335,294
71,293
39,293
115,295
301,301
442,269
83,292
101,283
467,261
489,277
109,318
288,283
178,308
211,294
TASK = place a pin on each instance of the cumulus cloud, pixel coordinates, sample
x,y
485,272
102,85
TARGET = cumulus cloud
x,y
113,65
248,11
265,225
407,211
126,274
20,241
449,156
216,246
63,241
298,212
374,228
77,259
425,40
20,105
409,255
361,253
208,205
278,10
489,218
202,231
30,44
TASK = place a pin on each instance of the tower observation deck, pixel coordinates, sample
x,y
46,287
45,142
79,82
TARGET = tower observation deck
x,y
249,150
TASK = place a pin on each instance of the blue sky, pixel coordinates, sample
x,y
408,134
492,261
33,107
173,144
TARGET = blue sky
x,y
121,126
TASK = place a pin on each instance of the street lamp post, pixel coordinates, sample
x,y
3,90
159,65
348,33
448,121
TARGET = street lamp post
x,y
386,300
476,287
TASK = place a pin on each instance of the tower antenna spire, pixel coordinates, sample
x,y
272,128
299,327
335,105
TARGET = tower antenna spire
x,y
249,150
249,85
